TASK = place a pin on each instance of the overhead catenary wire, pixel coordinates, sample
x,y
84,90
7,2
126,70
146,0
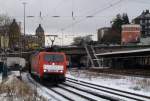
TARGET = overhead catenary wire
x,y
91,15
58,5
98,11
75,16
84,17
140,1
52,10
74,22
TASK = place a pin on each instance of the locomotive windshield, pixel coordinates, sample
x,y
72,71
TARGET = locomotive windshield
x,y
54,58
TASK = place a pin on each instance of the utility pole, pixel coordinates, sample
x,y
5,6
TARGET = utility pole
x,y
24,5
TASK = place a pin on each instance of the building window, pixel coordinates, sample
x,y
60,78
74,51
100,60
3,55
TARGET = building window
x,y
146,27
146,21
141,22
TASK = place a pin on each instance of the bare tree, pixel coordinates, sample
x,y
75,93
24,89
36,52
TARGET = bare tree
x,y
4,29
5,20
81,40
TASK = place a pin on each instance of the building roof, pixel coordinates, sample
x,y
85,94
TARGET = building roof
x,y
103,28
122,53
145,14
14,23
39,29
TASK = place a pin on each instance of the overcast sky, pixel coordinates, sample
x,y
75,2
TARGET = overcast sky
x,y
102,10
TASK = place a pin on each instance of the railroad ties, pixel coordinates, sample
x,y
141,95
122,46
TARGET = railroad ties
x,y
77,90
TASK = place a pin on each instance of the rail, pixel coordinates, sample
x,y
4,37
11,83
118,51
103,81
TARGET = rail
x,y
110,90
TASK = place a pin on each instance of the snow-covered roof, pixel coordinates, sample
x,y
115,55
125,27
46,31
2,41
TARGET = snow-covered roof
x,y
123,52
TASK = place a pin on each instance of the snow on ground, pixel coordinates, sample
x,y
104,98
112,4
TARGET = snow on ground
x,y
34,86
129,83
133,84
41,90
13,89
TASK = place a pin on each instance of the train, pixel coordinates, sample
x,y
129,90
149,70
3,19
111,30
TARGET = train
x,y
50,66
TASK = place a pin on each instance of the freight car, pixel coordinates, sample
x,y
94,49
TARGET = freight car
x,y
49,65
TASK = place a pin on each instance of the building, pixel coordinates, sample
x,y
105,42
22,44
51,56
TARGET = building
x,y
41,36
31,42
130,34
14,35
108,35
35,41
144,21
10,35
4,37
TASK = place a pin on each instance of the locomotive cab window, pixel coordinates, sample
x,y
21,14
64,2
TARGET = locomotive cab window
x,y
54,58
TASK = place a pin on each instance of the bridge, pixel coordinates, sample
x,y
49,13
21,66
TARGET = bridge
x,y
77,54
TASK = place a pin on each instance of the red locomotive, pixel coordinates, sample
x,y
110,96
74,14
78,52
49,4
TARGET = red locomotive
x,y
49,65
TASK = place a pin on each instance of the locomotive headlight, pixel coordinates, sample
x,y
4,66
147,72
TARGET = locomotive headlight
x,y
45,70
61,71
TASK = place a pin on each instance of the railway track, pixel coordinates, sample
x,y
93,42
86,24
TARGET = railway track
x,y
46,91
107,90
78,90
73,94
70,93
62,92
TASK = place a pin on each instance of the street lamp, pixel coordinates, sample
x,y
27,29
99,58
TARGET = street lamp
x,y
24,5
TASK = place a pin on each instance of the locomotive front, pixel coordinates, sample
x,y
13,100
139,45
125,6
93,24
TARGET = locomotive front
x,y
53,65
